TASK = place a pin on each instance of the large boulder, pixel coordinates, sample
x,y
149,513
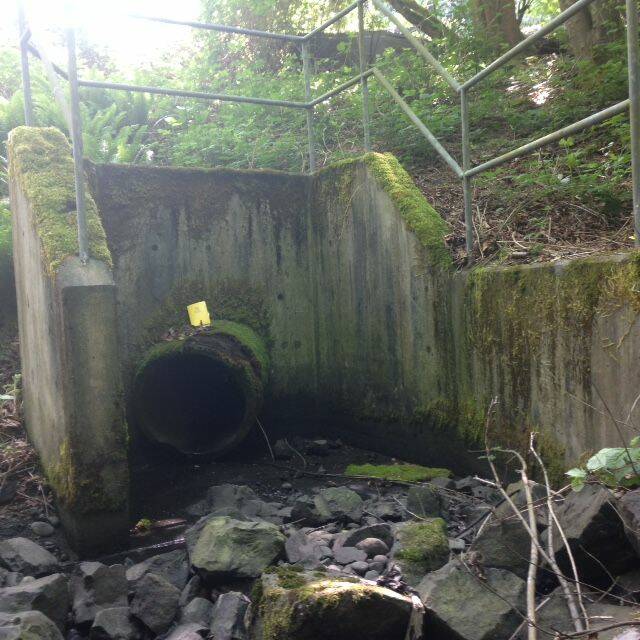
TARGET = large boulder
x,y
155,602
198,611
340,609
172,566
340,504
115,624
49,595
236,501
596,535
28,625
463,605
228,620
27,557
97,587
424,501
420,547
222,547
630,513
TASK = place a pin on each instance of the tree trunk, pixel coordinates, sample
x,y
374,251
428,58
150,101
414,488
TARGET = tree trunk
x,y
600,23
496,22
420,17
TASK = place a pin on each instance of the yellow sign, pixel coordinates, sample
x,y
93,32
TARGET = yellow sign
x,y
199,314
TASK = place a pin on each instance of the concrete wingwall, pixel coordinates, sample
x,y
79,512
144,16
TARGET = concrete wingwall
x,y
372,335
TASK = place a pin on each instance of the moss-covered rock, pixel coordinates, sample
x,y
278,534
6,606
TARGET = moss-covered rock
x,y
42,165
421,547
337,608
403,472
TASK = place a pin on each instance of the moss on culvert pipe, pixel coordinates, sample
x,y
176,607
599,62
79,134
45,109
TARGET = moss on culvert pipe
x,y
201,395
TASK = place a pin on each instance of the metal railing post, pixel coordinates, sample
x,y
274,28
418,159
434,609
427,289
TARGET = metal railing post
x,y
467,187
76,140
306,69
363,79
633,50
24,62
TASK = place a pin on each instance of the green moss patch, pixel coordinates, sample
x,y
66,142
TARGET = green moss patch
x,y
423,545
404,472
42,165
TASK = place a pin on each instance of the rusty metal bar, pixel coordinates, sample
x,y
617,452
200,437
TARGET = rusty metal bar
x,y
331,21
191,94
444,154
24,64
306,70
364,86
76,140
633,57
208,26
590,121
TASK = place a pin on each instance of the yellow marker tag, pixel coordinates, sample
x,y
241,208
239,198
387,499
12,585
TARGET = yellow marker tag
x,y
199,314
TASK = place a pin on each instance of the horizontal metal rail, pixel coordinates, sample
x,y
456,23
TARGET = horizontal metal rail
x,y
220,27
534,37
201,95
325,25
418,46
340,88
590,121
444,154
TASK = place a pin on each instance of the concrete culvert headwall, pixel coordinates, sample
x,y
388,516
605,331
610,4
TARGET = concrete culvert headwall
x,y
201,395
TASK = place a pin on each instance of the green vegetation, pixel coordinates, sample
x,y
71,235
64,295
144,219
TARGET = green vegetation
x,y
615,466
404,472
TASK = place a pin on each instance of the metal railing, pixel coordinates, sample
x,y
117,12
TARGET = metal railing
x,y
71,108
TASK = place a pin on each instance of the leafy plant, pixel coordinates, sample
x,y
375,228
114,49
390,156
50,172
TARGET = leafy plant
x,y
613,466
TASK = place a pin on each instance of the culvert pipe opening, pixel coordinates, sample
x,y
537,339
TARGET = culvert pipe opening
x,y
201,395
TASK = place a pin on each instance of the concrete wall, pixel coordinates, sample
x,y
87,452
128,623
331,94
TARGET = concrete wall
x,y
372,335
68,344
368,337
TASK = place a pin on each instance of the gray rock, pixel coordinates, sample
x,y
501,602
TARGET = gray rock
x,y
424,501
346,555
377,566
97,587
372,575
223,547
155,602
443,483
359,567
191,591
28,625
304,512
9,578
114,624
228,617
172,566
189,631
459,604
373,547
42,529
351,538
466,485
282,451
49,595
198,611
504,544
339,503
318,447
630,513
596,536
385,510
302,549
27,557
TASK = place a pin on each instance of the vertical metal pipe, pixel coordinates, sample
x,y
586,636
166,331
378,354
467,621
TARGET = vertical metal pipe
x,y
466,180
24,61
633,50
363,81
306,69
76,140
